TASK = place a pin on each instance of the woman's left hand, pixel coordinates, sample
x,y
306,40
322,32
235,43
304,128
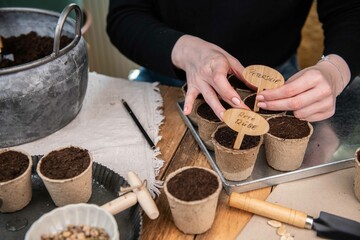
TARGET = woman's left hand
x,y
311,93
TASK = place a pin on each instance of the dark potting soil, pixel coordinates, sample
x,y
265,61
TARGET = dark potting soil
x,y
205,111
226,137
192,184
288,127
29,47
12,165
237,83
250,102
65,163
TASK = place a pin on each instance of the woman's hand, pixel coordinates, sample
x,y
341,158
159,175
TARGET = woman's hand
x,y
311,93
207,66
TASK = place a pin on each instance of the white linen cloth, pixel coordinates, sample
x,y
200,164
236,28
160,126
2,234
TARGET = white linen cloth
x,y
105,128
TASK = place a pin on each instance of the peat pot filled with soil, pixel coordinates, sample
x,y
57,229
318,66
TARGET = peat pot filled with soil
x,y
67,175
208,122
357,174
43,88
250,102
192,194
235,164
286,142
197,102
15,180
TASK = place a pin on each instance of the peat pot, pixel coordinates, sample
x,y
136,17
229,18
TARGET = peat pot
x,y
41,97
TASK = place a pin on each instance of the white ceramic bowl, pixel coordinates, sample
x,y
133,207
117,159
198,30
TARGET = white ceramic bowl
x,y
76,214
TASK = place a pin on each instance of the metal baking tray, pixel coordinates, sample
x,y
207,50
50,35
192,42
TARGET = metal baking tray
x,y
105,187
331,147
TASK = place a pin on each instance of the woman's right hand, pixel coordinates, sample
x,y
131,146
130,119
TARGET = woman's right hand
x,y
207,66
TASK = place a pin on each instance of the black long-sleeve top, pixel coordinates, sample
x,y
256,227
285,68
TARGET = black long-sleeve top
x,y
253,31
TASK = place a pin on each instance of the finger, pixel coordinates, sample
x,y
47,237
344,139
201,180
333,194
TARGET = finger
x,y
325,107
191,95
293,103
222,86
298,84
212,100
318,116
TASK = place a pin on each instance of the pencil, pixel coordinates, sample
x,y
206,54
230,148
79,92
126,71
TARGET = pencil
x,y
128,109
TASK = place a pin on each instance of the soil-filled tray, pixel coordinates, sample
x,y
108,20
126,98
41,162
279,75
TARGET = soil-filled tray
x,y
105,187
331,147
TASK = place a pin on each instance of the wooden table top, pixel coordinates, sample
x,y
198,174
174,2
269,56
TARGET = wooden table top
x,y
178,149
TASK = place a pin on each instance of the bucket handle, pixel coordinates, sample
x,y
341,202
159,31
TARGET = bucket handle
x,y
59,27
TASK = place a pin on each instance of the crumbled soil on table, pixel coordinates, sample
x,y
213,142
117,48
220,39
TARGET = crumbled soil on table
x,y
288,127
250,102
192,184
29,47
12,165
226,137
205,111
237,83
65,163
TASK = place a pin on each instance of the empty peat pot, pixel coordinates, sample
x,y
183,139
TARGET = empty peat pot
x,y
15,180
235,164
42,96
193,193
286,142
357,174
67,175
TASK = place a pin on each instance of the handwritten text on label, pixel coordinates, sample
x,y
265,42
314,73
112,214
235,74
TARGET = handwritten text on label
x,y
264,76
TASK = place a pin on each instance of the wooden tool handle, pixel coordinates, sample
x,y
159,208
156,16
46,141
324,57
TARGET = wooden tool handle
x,y
121,203
269,210
143,196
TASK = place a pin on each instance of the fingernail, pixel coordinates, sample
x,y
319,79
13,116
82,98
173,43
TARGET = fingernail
x,y
236,101
260,97
221,116
185,109
261,105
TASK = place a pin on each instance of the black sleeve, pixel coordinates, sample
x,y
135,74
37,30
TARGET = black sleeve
x,y
135,30
341,24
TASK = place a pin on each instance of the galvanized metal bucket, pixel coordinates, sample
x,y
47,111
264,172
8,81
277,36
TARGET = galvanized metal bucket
x,y
41,97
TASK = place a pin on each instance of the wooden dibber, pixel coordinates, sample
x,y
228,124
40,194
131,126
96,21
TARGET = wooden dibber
x,y
269,210
140,194
245,122
262,77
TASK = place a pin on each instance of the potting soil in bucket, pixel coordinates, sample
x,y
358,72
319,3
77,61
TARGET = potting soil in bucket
x,y
40,97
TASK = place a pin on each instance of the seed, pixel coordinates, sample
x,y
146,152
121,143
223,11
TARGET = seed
x,y
66,234
274,223
281,230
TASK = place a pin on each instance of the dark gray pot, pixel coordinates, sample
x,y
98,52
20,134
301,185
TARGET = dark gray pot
x,y
41,97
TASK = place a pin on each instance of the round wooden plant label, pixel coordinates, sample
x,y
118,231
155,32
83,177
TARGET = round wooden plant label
x,y
262,77
245,122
